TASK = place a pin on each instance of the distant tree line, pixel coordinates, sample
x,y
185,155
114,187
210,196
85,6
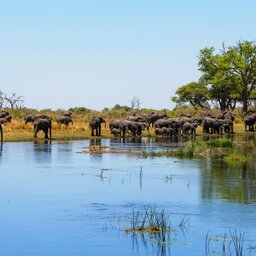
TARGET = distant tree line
x,y
228,78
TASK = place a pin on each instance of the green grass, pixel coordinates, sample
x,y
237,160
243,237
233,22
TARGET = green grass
x,y
226,149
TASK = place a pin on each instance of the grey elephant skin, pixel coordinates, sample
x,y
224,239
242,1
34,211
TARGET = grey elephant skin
x,y
64,120
44,125
32,118
124,125
189,127
249,121
95,125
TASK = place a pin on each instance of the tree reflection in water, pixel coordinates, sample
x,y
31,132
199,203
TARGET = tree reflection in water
x,y
235,183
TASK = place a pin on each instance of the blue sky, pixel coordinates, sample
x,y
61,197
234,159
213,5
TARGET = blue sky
x,y
61,54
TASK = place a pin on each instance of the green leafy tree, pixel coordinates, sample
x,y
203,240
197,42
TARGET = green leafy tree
x,y
193,93
225,93
234,67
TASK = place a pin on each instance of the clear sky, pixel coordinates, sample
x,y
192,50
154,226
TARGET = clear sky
x,y
98,53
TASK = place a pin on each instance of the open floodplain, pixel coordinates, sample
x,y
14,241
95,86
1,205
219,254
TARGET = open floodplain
x,y
90,197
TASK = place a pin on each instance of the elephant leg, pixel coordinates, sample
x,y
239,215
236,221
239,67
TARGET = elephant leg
x,y
92,133
46,133
35,133
99,131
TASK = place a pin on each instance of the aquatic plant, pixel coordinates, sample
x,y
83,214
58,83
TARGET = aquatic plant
x,y
151,222
224,149
223,244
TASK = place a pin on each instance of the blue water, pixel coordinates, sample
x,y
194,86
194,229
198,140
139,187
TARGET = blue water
x,y
55,200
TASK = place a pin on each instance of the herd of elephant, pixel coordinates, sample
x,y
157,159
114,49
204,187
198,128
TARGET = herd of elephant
x,y
135,124
41,122
168,127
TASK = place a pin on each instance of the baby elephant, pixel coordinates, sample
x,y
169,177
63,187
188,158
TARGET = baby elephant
x,y
116,132
44,125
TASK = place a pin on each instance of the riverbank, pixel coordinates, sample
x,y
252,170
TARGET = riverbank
x,y
17,131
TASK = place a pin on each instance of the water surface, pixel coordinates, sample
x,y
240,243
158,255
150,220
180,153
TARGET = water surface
x,y
57,201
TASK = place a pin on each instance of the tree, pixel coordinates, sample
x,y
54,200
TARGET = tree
x,y
234,66
14,101
135,103
1,99
225,93
194,93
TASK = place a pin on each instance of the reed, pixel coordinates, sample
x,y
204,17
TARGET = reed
x,y
224,244
151,222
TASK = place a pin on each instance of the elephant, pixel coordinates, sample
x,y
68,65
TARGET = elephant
x,y
116,132
187,126
4,113
136,128
5,117
185,115
250,120
227,126
32,118
64,120
167,131
95,124
119,124
4,120
44,125
159,131
123,126
168,123
226,115
212,125
153,117
66,113
164,131
136,118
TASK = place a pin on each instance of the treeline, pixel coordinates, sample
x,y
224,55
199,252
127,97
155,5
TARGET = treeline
x,y
228,79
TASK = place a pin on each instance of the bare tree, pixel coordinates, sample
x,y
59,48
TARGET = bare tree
x,y
135,103
14,101
1,99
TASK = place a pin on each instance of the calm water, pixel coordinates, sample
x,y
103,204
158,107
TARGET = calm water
x,y
57,201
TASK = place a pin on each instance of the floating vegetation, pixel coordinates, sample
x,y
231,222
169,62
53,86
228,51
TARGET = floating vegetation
x,y
98,149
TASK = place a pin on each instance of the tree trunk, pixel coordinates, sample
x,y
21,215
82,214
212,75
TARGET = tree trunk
x,y
245,99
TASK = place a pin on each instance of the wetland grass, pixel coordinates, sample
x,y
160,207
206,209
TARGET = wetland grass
x,y
216,148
